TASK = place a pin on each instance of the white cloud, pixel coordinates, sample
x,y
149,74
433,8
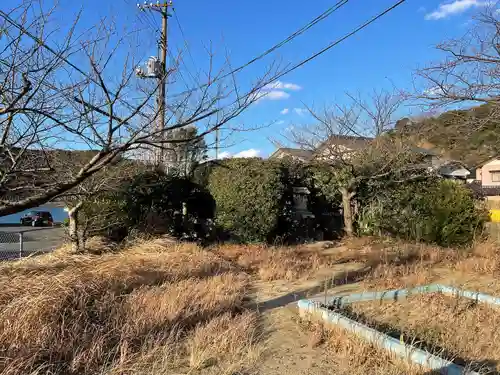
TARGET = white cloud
x,y
445,10
280,122
300,111
279,85
250,153
276,95
270,95
276,91
285,111
433,91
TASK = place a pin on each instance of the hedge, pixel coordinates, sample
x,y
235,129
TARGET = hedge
x,y
249,195
254,199
435,211
150,202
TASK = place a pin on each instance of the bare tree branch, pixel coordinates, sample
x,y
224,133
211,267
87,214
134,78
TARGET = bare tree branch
x,y
49,104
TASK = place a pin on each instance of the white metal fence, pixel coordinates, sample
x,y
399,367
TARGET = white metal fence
x,y
16,243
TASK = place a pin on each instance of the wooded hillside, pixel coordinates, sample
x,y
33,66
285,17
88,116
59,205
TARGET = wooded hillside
x,y
471,136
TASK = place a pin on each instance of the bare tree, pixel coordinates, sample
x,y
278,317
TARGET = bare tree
x,y
48,103
469,73
95,188
378,110
183,157
355,143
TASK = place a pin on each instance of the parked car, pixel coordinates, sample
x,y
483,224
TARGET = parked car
x,y
37,218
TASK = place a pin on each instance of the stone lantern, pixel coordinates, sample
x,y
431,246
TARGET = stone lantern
x,y
300,199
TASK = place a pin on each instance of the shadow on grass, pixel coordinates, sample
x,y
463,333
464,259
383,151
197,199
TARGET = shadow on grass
x,y
483,367
344,278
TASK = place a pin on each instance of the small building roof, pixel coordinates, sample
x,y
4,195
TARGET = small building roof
x,y
353,142
487,161
294,152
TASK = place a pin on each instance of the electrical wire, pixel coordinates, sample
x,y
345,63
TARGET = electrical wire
x,y
178,70
253,91
291,37
298,32
183,36
312,57
338,41
151,20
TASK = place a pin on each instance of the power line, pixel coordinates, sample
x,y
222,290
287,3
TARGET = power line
x,y
147,21
178,70
288,39
312,57
183,36
151,20
252,92
280,44
340,40
298,32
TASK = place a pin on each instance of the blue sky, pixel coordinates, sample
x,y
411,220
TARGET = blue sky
x,y
382,56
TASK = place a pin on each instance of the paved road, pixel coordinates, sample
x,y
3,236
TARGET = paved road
x,y
34,240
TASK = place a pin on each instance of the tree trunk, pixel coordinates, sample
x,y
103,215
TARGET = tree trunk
x,y
347,195
73,228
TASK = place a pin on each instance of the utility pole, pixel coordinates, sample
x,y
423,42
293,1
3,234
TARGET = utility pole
x,y
217,144
162,95
157,68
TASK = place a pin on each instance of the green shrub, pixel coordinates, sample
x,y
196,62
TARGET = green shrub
x,y
323,202
249,196
149,202
255,200
104,215
156,202
436,211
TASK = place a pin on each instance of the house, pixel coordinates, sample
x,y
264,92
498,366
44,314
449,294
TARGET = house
x,y
486,177
453,170
342,145
488,172
293,153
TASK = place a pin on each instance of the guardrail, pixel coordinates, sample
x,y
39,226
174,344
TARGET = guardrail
x,y
19,243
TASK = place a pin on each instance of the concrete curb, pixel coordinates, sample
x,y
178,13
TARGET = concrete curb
x,y
398,348
405,293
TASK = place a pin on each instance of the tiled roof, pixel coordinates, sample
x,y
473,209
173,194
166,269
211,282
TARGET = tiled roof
x,y
352,142
294,152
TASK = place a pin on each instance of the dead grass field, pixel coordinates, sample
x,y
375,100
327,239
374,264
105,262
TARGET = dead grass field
x,y
161,308
455,328
154,308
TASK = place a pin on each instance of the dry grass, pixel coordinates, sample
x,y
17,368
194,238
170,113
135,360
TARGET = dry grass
x,y
462,330
153,308
161,308
276,263
450,326
234,338
88,314
352,355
